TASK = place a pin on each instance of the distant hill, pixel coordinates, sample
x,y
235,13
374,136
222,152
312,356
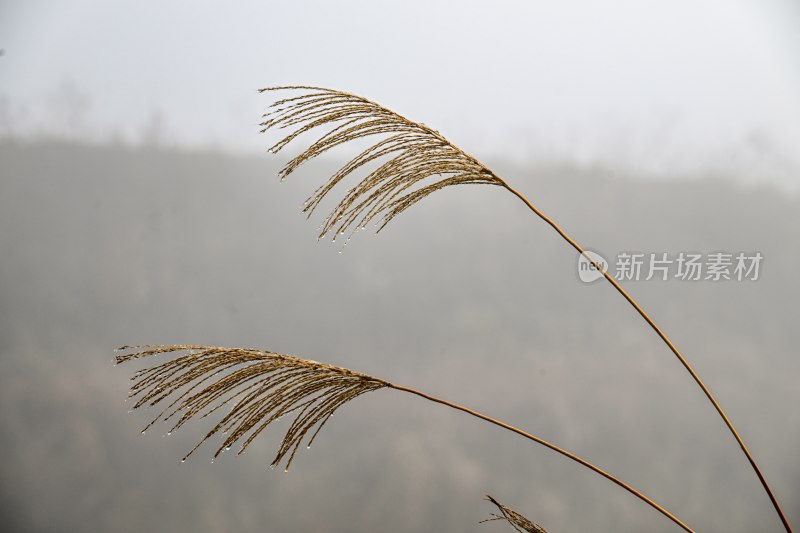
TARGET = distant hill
x,y
466,296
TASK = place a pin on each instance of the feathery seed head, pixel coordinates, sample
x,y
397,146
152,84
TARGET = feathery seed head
x,y
412,159
259,386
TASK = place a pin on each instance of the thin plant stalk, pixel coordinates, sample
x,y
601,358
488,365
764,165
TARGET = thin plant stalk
x,y
551,446
669,344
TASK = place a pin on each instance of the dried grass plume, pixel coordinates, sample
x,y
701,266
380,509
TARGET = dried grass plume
x,y
413,160
259,386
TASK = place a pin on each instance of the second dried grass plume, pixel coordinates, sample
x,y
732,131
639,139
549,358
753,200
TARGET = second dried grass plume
x,y
259,386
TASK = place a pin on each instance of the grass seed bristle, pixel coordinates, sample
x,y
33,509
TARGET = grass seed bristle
x,y
259,386
415,160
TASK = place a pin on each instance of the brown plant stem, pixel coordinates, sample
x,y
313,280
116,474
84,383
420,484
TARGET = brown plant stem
x,y
669,344
553,447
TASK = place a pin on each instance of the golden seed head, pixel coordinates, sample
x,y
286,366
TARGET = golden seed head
x,y
412,160
259,386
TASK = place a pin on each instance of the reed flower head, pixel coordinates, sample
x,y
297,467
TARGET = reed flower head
x,y
414,160
259,386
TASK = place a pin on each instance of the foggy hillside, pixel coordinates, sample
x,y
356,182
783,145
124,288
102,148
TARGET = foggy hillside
x,y
466,296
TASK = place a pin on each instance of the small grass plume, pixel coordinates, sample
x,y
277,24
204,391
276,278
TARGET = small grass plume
x,y
517,521
260,387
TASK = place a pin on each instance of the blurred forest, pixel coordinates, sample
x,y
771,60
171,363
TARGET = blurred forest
x,y
467,296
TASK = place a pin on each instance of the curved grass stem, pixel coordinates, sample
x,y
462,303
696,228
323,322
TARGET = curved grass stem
x,y
670,345
553,447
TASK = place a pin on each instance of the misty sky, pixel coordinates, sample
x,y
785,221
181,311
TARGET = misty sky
x,y
654,87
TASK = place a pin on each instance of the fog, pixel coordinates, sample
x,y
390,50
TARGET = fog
x,y
466,296
138,205
686,87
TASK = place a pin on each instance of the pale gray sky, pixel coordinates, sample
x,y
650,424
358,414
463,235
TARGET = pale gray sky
x,y
653,87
